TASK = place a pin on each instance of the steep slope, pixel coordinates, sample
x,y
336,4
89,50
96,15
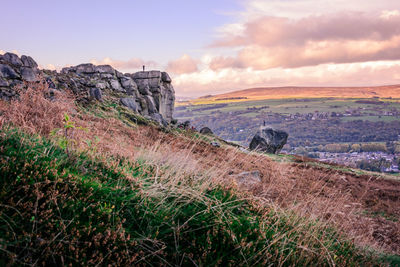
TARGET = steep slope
x,y
105,185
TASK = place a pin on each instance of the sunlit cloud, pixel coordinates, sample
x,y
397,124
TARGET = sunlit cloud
x,y
208,81
185,64
270,42
2,52
301,8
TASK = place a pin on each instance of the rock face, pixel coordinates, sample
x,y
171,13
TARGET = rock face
x,y
269,140
149,93
14,71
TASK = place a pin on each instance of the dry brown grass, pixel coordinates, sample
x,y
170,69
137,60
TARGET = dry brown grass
x,y
34,111
336,198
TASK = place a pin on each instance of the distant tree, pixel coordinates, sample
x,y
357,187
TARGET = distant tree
x,y
373,147
337,148
356,147
373,165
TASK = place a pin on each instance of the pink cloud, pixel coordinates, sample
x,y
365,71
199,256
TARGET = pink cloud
x,y
270,42
229,79
182,65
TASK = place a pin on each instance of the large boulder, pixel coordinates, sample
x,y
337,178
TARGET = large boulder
x,y
269,140
130,103
8,72
95,93
206,130
157,85
13,59
27,61
28,74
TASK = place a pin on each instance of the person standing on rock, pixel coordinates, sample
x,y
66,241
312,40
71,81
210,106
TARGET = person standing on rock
x,y
143,67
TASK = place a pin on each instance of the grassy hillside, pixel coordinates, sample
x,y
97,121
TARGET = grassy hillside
x,y
263,93
103,186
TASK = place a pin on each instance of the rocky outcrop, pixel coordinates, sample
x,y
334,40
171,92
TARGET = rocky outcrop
x,y
14,71
269,140
149,93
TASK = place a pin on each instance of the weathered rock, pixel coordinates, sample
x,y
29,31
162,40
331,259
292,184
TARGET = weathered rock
x,y
248,178
165,77
158,118
3,83
28,74
127,82
95,93
27,61
150,104
158,85
119,74
85,68
115,85
130,103
13,59
144,90
206,130
269,140
150,92
105,69
102,85
8,72
130,86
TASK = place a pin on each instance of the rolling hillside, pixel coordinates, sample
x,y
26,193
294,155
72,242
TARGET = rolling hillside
x,y
105,186
302,92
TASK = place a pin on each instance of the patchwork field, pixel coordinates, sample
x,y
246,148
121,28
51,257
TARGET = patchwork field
x,y
315,124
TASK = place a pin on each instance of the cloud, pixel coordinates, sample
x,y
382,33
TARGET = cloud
x,y
133,63
208,81
269,42
2,52
52,67
182,65
302,8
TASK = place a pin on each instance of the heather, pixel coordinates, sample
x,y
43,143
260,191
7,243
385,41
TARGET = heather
x,y
97,184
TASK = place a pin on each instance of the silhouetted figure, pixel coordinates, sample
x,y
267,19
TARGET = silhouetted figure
x,y
143,67
264,123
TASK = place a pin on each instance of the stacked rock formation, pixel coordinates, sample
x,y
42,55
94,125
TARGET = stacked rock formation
x,y
15,70
149,93
269,140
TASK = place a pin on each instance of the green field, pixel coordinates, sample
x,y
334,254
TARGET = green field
x,y
301,106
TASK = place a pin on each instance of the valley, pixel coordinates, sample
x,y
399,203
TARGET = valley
x,y
334,129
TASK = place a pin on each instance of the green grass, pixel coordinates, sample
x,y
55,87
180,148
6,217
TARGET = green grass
x,y
291,107
58,210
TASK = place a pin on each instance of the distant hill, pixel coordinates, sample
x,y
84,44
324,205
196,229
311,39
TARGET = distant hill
x,y
306,92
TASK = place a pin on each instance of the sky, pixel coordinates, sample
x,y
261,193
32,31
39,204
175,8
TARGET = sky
x,y
211,47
